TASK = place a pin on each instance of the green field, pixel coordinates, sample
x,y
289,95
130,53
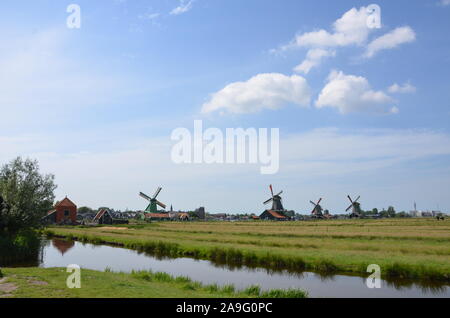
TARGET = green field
x,y
404,248
51,283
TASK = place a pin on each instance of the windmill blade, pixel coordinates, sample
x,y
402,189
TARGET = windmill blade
x,y
144,196
157,192
349,208
357,198
314,210
350,199
312,203
265,202
271,190
279,193
320,200
161,204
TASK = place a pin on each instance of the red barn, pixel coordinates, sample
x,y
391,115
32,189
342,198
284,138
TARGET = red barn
x,y
65,212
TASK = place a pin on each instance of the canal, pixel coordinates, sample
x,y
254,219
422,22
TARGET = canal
x,y
61,253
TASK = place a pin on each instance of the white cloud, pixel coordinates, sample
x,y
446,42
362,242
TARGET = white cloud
x,y
263,91
444,3
404,89
390,40
313,58
185,6
350,93
350,29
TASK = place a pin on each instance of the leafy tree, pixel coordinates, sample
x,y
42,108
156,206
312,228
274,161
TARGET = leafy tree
x,y
402,214
26,193
85,210
391,211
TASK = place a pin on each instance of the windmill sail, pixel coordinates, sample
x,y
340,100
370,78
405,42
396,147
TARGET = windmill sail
x,y
144,196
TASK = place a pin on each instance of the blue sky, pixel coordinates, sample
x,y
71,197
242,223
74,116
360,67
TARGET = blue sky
x,y
96,105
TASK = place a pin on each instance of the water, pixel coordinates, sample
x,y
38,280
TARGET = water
x,y
60,253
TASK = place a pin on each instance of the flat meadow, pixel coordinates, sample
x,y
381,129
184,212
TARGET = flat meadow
x,y
403,248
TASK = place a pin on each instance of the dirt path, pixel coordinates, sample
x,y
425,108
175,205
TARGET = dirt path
x,y
6,289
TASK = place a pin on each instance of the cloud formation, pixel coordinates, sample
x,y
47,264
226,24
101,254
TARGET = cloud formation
x,y
403,89
351,29
390,40
263,91
183,7
350,93
313,58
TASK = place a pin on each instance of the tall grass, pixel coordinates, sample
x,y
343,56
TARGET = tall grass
x,y
188,284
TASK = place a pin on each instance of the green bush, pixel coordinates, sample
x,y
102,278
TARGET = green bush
x,y
23,246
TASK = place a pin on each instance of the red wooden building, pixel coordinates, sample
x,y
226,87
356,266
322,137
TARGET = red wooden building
x,y
65,212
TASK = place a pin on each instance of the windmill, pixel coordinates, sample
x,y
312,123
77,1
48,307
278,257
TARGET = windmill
x,y
276,201
317,211
153,206
355,206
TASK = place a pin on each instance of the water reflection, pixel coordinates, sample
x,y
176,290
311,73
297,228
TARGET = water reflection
x,y
63,245
426,286
60,253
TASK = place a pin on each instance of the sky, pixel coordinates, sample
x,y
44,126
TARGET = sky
x,y
362,108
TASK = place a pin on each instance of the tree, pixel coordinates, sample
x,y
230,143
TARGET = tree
x,y
27,193
391,211
85,210
402,214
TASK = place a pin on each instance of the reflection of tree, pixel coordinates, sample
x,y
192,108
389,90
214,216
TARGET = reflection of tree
x,y
62,245
426,286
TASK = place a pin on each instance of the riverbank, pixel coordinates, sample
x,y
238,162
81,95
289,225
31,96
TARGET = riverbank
x,y
404,249
51,283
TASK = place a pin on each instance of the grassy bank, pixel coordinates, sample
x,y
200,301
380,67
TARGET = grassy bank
x,y
51,283
410,248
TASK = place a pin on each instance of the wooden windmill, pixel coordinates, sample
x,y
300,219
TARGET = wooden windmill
x,y
355,206
276,200
317,211
154,203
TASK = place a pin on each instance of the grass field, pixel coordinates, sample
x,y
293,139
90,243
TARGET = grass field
x,y
51,283
404,248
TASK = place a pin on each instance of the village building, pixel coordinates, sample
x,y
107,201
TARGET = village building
x,y
271,215
157,216
179,216
201,213
64,212
103,217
